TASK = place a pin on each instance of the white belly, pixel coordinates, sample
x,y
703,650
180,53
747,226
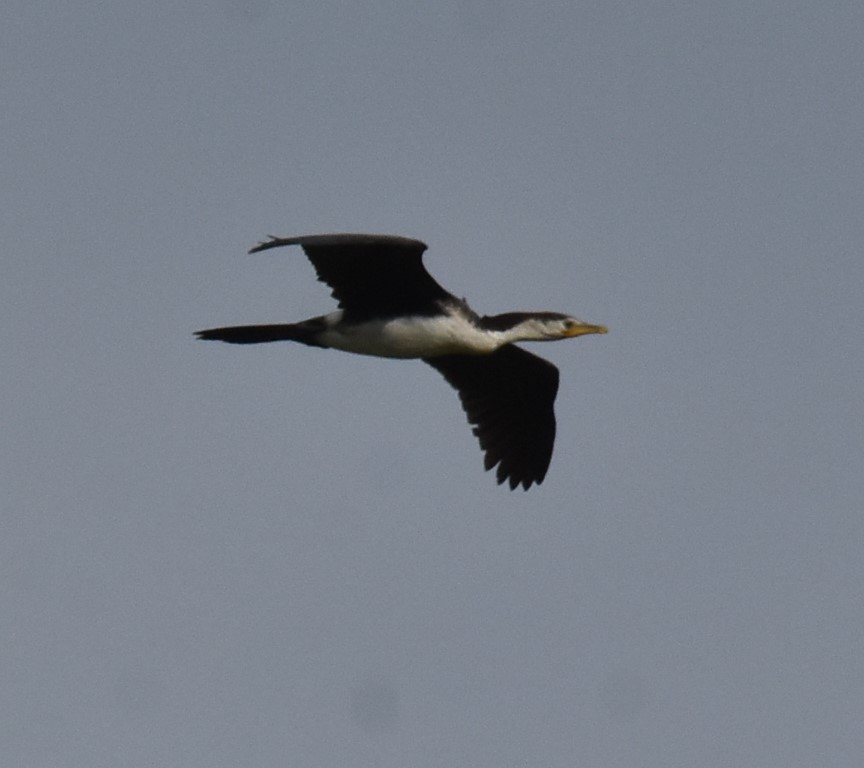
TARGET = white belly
x,y
407,338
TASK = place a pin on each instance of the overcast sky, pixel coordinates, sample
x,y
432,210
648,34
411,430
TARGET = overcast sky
x,y
282,556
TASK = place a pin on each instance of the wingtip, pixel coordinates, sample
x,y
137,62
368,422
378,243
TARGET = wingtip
x,y
271,242
514,481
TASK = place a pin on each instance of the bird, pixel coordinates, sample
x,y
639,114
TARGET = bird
x,y
390,306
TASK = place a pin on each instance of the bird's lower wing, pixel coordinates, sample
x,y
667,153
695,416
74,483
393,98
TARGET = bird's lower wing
x,y
509,397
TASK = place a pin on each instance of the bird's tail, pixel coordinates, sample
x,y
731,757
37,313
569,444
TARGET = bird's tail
x,y
305,333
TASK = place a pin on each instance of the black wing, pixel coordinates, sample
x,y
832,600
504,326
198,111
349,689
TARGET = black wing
x,y
372,276
509,397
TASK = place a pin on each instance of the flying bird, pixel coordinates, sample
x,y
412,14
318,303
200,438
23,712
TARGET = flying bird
x,y
390,306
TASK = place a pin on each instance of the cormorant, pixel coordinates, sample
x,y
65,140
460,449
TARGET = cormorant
x,y
390,306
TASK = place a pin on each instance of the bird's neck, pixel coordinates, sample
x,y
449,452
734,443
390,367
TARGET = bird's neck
x,y
509,328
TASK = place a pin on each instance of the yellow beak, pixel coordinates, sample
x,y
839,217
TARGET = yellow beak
x,y
585,328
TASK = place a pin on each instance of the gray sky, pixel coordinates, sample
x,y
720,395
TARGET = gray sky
x,y
278,556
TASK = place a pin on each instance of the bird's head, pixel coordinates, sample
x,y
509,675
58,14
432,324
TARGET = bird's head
x,y
541,326
565,327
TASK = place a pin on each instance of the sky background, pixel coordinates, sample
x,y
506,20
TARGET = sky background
x,y
281,556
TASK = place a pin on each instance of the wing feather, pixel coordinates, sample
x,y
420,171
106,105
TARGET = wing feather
x,y
371,276
509,398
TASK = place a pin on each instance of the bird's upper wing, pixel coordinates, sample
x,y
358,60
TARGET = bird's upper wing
x,y
509,397
371,275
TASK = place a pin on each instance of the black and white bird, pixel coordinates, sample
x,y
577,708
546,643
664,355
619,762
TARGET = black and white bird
x,y
390,306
